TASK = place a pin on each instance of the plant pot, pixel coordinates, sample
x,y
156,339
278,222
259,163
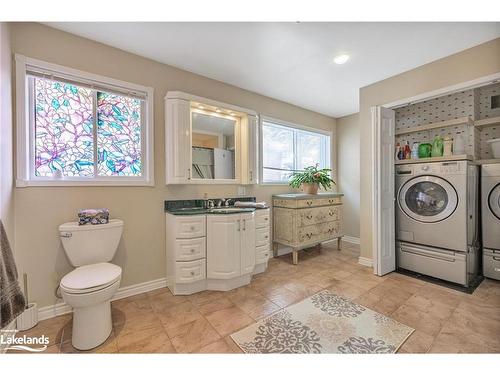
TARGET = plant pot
x,y
310,188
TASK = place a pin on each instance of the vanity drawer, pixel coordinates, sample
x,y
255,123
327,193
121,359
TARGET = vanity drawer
x,y
262,237
187,272
262,219
190,226
262,254
190,249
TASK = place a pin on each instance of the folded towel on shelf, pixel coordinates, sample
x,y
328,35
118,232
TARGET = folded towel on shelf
x,y
93,216
12,302
250,204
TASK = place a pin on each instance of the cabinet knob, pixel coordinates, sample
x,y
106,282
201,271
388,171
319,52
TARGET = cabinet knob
x,y
192,228
309,217
192,273
309,203
192,250
266,237
266,218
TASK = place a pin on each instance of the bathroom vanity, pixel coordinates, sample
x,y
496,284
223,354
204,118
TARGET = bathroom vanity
x,y
214,248
305,220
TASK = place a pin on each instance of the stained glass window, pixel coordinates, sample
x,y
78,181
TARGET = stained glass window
x,y
63,129
66,139
118,135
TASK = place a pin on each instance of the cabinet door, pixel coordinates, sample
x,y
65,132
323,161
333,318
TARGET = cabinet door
x,y
253,154
247,243
223,246
177,141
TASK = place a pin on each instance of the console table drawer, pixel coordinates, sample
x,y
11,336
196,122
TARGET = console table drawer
x,y
319,215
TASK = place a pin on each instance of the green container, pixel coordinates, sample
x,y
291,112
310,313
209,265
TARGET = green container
x,y
437,146
424,150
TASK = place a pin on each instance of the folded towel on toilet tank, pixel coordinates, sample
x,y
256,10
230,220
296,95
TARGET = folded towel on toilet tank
x,y
93,216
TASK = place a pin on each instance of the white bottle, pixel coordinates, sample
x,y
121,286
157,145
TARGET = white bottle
x,y
458,144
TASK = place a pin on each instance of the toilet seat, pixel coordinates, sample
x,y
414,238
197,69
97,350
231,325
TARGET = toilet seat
x,y
91,278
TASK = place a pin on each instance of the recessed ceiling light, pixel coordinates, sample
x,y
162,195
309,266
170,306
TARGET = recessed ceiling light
x,y
218,110
341,59
201,107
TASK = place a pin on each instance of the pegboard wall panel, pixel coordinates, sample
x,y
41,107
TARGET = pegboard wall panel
x,y
484,105
444,108
489,132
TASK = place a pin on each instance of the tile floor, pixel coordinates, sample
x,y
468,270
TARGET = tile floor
x,y
446,321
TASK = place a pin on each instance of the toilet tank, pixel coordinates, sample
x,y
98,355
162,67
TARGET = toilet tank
x,y
90,244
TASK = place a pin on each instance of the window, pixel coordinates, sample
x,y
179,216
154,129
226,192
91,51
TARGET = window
x,y
286,149
81,129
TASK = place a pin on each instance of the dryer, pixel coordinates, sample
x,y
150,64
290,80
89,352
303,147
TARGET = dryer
x,y
490,214
436,219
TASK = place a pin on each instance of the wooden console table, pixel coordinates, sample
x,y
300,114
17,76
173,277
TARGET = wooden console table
x,y
303,220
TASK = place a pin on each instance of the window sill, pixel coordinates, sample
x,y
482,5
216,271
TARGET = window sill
x,y
273,183
68,183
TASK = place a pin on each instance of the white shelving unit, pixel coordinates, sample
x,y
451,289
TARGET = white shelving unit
x,y
487,122
434,159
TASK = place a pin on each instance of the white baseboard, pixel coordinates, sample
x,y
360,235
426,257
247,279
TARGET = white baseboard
x,y
365,261
351,239
61,308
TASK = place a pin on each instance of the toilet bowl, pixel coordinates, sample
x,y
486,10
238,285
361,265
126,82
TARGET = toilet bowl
x,y
89,288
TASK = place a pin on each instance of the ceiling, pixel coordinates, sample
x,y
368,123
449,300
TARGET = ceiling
x,y
292,62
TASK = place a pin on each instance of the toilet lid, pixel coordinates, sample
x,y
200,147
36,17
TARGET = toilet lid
x,y
91,276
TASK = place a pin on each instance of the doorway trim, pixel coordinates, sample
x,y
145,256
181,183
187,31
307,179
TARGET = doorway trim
x,y
466,85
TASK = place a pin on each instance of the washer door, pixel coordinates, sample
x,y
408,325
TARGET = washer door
x,y
494,201
428,199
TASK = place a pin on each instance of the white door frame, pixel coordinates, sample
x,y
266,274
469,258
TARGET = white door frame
x,y
467,85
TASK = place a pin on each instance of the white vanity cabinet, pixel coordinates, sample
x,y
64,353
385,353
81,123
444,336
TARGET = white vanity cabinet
x,y
262,239
186,253
215,251
230,245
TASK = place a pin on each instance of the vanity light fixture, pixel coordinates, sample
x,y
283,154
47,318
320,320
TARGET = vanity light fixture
x,y
218,110
201,107
341,59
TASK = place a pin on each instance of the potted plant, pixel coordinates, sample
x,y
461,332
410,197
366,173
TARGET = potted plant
x,y
311,178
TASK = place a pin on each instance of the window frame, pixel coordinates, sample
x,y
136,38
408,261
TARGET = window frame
x,y
25,163
291,125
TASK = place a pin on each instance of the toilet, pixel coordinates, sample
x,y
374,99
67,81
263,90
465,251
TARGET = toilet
x,y
89,288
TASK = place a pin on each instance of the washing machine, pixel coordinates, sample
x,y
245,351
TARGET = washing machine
x,y
490,214
437,219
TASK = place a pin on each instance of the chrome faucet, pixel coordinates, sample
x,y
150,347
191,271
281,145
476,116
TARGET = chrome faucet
x,y
210,203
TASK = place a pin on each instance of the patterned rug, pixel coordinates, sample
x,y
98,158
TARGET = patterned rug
x,y
324,323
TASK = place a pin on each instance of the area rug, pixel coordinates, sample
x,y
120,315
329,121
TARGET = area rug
x,y
324,323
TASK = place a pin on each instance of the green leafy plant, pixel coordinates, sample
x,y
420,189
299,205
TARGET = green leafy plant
x,y
312,175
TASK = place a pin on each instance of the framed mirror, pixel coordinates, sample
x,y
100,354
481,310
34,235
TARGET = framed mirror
x,y
214,144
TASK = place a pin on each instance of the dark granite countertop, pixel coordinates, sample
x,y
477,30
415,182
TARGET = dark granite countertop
x,y
198,207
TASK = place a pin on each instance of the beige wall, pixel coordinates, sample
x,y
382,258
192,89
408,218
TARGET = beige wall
x,y
348,144
6,136
39,210
467,65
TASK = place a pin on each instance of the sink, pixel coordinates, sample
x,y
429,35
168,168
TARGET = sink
x,y
190,209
